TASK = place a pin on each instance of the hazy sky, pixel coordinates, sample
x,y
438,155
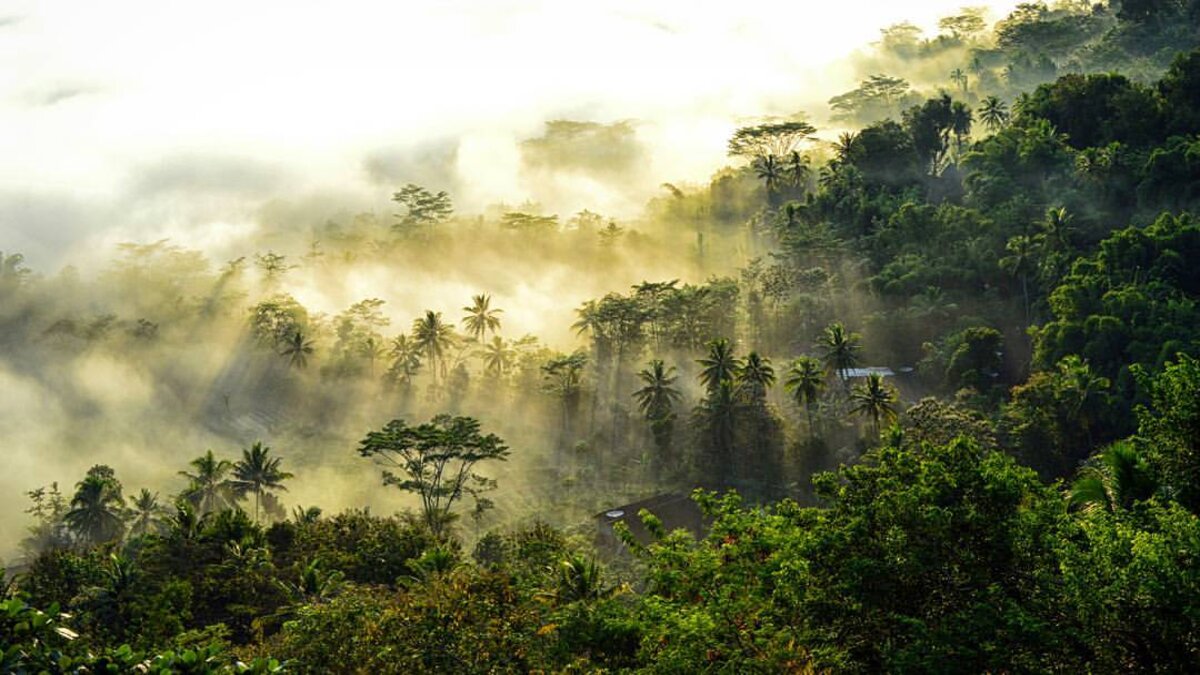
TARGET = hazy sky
x,y
140,119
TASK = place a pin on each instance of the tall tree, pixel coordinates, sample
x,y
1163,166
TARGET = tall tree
x,y
497,357
993,113
209,489
770,171
797,168
422,209
960,124
656,400
841,349
97,509
875,399
720,365
805,380
434,337
1020,262
776,139
755,376
481,318
563,377
297,349
146,515
406,360
258,473
435,461
960,78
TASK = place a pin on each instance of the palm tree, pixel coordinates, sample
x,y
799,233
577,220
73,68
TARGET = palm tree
x,y
497,357
770,170
481,318
209,490
1113,480
184,524
258,473
1018,263
1084,391
1056,229
841,349
875,399
563,377
656,400
993,113
297,349
843,148
96,509
314,585
960,78
577,579
960,123
805,380
658,395
371,349
716,414
755,377
797,169
589,318
406,359
434,336
146,516
719,366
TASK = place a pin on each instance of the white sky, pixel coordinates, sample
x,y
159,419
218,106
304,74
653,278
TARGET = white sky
x,y
93,94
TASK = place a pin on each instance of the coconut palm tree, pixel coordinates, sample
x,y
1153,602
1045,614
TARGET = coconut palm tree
x,y
717,416
960,123
805,380
589,318
960,78
563,376
96,513
497,357
841,349
755,377
209,489
406,359
1056,229
577,579
1084,391
719,366
658,396
314,584
372,350
147,515
434,336
843,148
481,318
184,523
771,171
1113,480
993,113
258,473
875,399
797,169
1019,262
656,400
297,349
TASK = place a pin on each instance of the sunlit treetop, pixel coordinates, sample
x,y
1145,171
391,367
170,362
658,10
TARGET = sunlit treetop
x,y
770,139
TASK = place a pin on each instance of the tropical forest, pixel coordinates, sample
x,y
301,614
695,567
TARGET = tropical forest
x,y
625,337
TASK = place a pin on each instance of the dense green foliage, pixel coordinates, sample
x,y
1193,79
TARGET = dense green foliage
x,y
1018,492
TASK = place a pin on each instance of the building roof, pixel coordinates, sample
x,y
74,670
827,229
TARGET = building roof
x,y
674,510
882,371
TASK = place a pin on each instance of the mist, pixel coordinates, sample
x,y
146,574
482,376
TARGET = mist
x,y
194,130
